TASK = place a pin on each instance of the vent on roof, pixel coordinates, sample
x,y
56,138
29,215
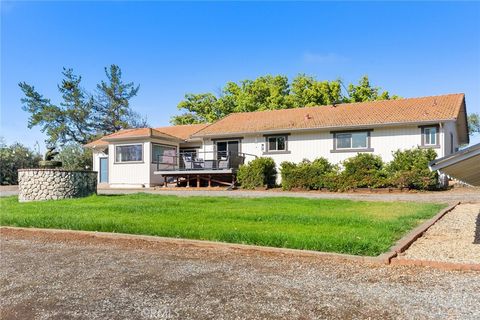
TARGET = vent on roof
x,y
334,103
308,117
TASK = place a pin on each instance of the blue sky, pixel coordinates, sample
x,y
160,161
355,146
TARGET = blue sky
x,y
410,49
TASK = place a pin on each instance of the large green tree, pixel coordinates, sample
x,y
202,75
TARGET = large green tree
x,y
269,93
80,116
364,91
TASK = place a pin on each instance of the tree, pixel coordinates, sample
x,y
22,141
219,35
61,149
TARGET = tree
x,y
365,92
74,157
112,103
71,121
14,157
307,92
271,93
264,93
473,123
81,116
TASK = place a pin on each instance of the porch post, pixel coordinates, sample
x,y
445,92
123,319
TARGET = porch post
x,y
188,181
198,181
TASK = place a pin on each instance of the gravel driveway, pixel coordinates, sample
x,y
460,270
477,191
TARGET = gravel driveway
x,y
60,276
450,196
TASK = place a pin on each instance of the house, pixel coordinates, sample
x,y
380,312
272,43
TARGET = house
x,y
205,154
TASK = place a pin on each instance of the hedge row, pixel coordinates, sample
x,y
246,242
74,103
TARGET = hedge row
x,y
408,169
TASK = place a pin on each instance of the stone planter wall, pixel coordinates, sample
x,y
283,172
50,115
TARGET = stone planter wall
x,y
54,184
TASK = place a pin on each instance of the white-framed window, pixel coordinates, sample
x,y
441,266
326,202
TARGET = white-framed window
x,y
430,136
164,153
352,140
276,143
129,153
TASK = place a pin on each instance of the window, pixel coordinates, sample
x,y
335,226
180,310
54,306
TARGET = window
x,y
164,154
276,143
129,153
430,136
352,140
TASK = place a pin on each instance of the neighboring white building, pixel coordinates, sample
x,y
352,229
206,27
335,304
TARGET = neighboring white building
x,y
212,152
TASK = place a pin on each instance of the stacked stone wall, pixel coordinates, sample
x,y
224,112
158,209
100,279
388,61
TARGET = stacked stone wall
x,y
54,184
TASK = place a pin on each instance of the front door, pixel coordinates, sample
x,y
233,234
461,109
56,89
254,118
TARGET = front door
x,y
103,170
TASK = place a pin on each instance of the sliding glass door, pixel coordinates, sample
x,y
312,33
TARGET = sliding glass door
x,y
224,148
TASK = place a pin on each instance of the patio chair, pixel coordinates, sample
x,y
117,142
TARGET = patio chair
x,y
188,162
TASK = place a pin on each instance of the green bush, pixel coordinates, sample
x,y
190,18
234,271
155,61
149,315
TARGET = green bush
x,y
260,172
306,175
409,169
75,157
14,157
364,170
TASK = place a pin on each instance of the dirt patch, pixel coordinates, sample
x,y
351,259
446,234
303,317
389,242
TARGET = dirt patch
x,y
48,275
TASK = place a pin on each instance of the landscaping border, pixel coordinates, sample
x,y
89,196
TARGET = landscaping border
x,y
405,242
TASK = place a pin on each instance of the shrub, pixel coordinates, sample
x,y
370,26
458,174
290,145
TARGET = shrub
x,y
260,172
14,157
364,170
305,175
75,157
409,169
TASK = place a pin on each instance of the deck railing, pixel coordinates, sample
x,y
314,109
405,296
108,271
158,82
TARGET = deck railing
x,y
202,160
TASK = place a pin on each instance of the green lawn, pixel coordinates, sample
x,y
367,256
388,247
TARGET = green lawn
x,y
344,226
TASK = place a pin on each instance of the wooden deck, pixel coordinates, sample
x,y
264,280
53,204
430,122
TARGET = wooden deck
x,y
198,178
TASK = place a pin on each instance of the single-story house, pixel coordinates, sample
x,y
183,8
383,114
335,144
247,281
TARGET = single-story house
x,y
206,153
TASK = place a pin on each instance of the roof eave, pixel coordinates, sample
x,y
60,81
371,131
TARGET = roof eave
x,y
361,126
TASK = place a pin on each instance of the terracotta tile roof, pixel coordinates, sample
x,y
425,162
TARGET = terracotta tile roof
x,y
411,110
181,132
96,143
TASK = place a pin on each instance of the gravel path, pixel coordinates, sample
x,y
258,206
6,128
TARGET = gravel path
x,y
451,196
60,276
454,238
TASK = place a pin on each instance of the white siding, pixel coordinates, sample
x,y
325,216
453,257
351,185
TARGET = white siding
x,y
134,175
450,131
313,144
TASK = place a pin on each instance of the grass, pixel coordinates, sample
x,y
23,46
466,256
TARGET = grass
x,y
344,226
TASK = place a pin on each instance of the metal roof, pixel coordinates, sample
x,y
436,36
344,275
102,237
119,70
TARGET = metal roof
x,y
463,165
